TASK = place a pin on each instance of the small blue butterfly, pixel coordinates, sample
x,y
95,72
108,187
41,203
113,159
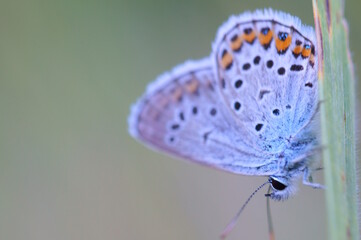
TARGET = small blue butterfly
x,y
248,108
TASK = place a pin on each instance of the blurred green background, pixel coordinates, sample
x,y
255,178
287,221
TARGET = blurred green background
x,y
69,71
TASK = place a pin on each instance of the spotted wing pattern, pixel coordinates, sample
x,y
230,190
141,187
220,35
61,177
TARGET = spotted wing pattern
x,y
246,108
182,114
266,70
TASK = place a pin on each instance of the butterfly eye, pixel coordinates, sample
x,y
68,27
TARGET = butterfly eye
x,y
277,185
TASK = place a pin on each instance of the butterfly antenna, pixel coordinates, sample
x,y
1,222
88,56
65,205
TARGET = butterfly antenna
x,y
232,223
269,217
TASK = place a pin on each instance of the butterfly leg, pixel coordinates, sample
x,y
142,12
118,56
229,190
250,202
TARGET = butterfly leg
x,y
308,181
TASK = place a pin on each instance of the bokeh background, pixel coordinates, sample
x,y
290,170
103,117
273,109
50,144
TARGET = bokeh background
x,y
69,71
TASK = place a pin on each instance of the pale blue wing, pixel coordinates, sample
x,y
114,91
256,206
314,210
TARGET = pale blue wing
x,y
266,62
182,113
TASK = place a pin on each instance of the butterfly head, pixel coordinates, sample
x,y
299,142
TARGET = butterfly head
x,y
283,188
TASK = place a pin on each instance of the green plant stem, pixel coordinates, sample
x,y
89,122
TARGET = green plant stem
x,y
337,85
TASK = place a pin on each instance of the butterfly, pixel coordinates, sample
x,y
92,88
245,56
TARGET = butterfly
x,y
248,108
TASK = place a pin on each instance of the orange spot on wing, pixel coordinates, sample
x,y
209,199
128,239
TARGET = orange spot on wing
x,y
151,111
162,101
236,43
192,86
226,60
297,50
312,60
177,94
250,37
282,46
265,39
306,51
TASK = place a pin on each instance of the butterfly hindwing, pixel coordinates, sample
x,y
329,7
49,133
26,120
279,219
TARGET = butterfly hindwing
x,y
266,63
182,113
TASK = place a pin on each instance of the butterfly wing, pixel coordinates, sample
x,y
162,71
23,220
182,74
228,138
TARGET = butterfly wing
x,y
182,113
266,70
239,109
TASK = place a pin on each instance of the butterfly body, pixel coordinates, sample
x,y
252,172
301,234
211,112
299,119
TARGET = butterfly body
x,y
248,108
